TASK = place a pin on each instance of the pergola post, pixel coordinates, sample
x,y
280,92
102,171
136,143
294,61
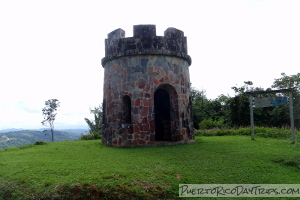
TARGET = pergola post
x,y
251,116
292,118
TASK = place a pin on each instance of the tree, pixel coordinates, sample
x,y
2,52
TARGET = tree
x,y
49,112
292,81
273,116
239,107
285,81
221,108
234,111
206,109
200,106
96,124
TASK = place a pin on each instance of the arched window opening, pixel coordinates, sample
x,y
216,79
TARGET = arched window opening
x,y
126,113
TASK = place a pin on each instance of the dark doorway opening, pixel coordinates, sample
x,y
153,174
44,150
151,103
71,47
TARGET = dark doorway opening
x,y
126,115
162,109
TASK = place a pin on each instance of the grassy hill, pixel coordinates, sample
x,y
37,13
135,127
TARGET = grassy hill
x,y
89,170
25,137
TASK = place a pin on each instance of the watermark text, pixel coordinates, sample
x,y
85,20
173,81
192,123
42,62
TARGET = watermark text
x,y
239,190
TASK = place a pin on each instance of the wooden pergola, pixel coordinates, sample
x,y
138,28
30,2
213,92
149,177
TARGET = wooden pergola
x,y
255,93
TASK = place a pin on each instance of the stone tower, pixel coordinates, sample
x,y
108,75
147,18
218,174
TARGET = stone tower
x,y
147,98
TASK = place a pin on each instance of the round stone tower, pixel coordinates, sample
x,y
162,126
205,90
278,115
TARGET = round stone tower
x,y
147,98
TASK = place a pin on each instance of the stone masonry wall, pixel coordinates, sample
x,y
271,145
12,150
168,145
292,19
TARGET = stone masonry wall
x,y
145,41
136,68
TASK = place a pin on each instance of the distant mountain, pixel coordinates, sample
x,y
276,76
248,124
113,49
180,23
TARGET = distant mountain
x,y
10,130
71,131
74,132
25,137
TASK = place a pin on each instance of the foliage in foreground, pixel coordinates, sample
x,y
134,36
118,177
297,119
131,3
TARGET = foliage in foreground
x,y
91,136
89,170
95,126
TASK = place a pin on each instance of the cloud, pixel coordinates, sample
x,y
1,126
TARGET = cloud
x,y
54,49
29,106
27,113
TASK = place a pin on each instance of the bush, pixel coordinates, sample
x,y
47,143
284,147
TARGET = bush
x,y
91,136
213,132
265,132
40,143
242,131
210,123
273,132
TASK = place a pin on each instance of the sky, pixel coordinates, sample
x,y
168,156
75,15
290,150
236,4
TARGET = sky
x,y
53,49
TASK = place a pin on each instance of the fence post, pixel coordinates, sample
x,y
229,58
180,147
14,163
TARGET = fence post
x,y
251,116
292,118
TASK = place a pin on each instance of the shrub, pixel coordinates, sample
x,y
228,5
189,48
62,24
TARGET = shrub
x,y
221,132
91,136
273,132
40,143
210,123
242,131
213,132
265,132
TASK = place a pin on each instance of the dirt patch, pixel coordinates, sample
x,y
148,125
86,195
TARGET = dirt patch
x,y
94,192
288,162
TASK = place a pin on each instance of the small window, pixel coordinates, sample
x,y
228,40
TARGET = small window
x,y
126,115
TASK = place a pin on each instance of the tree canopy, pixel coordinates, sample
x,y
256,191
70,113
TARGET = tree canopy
x,y
226,111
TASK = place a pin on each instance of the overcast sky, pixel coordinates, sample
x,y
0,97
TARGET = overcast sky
x,y
53,49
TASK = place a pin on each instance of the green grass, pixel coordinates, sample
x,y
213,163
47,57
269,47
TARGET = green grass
x,y
267,132
77,169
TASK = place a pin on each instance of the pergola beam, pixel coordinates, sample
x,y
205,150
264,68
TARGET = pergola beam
x,y
271,91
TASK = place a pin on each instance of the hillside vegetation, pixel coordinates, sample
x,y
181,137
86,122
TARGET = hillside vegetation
x,y
89,170
25,137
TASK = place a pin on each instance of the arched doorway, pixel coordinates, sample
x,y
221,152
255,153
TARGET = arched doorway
x,y
162,110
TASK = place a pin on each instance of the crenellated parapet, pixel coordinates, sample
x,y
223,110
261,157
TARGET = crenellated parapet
x,y
145,42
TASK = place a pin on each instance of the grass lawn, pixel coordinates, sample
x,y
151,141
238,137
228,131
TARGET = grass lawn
x,y
77,169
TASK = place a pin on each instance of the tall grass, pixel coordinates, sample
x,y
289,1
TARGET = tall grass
x,y
266,132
